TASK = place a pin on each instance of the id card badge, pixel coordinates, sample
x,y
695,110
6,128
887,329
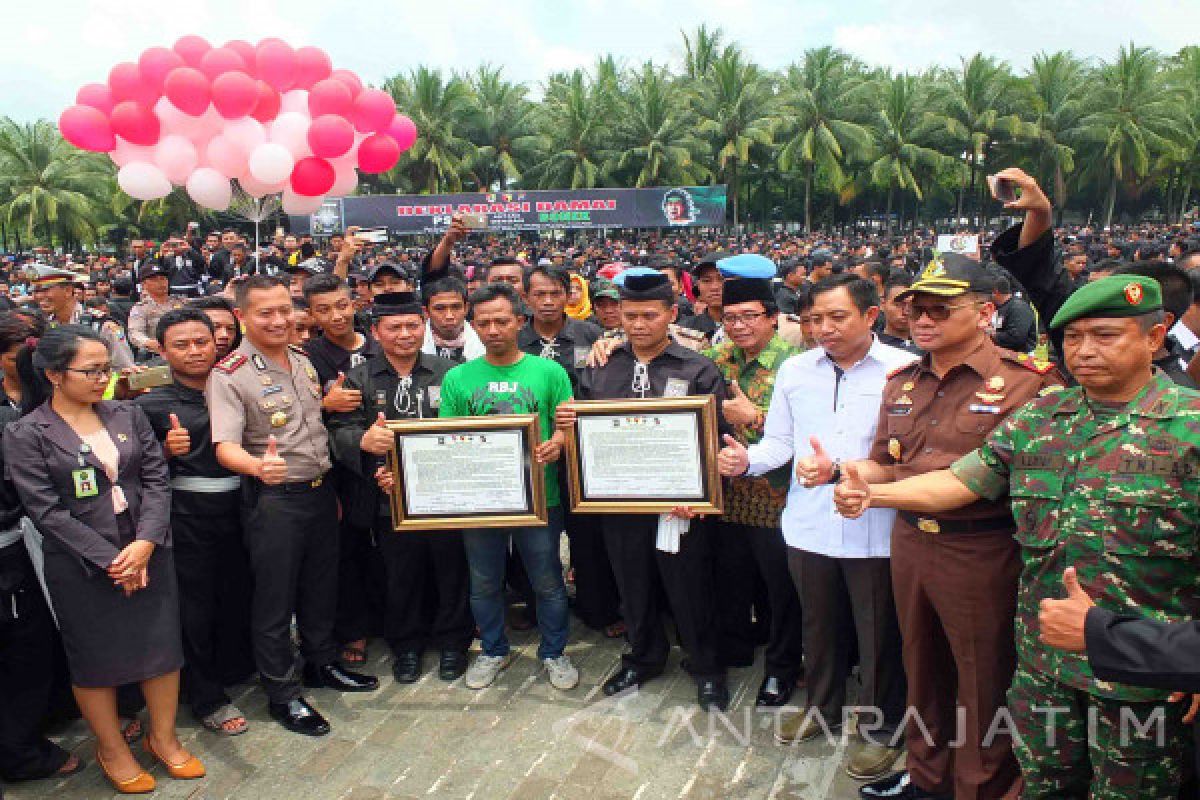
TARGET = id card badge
x,y
581,356
676,387
85,482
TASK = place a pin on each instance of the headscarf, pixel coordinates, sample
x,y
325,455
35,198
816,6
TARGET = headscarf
x,y
583,309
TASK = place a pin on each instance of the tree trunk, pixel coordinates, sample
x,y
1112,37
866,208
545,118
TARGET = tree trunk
x,y
887,214
808,182
1183,201
962,186
1110,201
1060,194
733,188
972,193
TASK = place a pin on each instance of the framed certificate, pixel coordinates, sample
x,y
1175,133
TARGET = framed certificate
x,y
644,456
467,472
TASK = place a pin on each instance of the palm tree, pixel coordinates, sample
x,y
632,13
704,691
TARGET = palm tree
x,y
736,105
438,107
1138,116
700,50
49,190
655,132
1185,76
819,95
575,133
500,125
1056,90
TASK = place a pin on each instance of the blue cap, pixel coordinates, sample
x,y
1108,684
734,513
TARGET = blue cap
x,y
747,265
619,280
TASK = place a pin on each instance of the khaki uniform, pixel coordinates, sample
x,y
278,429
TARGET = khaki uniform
x,y
113,334
144,317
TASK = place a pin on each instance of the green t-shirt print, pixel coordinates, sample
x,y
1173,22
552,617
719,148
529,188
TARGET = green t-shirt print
x,y
530,386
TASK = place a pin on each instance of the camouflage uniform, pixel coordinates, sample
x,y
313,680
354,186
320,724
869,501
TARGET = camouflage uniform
x,y
1112,491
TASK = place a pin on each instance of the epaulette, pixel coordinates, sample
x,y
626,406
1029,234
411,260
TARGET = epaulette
x,y
900,369
1053,388
230,363
1033,364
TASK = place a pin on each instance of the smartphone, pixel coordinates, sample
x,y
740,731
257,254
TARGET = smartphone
x,y
1003,189
150,377
475,222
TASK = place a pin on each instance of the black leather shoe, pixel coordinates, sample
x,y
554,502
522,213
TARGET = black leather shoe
x,y
712,693
774,692
406,668
452,665
332,676
626,678
299,717
897,787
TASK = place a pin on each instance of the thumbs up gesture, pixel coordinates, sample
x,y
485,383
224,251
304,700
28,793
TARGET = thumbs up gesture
x,y
272,468
733,460
739,410
377,439
816,469
339,399
178,441
852,495
1062,622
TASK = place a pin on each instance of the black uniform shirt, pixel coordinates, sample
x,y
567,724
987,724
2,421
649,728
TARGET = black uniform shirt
x,y
569,348
328,359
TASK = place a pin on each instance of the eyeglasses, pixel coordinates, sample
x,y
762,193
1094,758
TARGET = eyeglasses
x,y
749,318
98,374
938,312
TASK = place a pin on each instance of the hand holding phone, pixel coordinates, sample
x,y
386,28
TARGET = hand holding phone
x,y
475,222
1002,189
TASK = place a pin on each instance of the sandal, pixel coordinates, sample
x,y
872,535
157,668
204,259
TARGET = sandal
x,y
218,721
616,630
131,730
353,656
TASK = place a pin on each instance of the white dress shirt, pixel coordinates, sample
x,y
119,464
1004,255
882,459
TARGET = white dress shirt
x,y
810,399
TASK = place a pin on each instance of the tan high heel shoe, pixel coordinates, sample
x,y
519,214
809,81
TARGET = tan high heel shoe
x,y
138,784
189,770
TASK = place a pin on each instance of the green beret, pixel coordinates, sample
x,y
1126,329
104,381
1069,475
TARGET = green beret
x,y
1114,296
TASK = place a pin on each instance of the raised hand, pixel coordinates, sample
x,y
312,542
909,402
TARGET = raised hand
x,y
816,469
377,440
339,399
178,441
739,409
1061,622
733,460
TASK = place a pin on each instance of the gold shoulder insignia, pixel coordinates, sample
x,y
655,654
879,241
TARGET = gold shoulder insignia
x,y
1051,389
898,370
230,363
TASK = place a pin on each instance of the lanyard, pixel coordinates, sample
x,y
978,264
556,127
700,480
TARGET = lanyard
x,y
641,379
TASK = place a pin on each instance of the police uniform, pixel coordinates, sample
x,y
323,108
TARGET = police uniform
x,y
210,558
955,574
414,561
1110,489
112,333
145,313
290,528
641,569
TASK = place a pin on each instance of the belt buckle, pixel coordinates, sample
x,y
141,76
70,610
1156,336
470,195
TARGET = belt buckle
x,y
927,525
316,482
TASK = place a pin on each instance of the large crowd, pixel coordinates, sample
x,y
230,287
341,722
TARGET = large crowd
x,y
965,481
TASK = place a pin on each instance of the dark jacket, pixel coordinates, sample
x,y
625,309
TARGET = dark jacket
x,y
1143,652
40,454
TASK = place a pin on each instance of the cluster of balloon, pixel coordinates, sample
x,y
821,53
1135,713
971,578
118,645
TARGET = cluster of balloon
x,y
273,118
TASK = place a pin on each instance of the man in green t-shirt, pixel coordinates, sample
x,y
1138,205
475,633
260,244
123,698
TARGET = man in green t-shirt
x,y
507,381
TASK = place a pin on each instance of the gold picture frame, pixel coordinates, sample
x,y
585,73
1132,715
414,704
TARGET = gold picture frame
x,y
433,432
705,411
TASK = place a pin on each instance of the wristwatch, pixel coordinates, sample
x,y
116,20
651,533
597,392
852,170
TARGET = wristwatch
x,y
836,475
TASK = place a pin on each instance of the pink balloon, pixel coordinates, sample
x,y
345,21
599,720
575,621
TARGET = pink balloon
x,y
191,49
170,118
87,128
188,90
256,188
126,153
205,127
135,123
312,65
247,133
347,176
276,63
404,131
330,136
267,107
246,51
96,95
235,94
220,60
126,82
176,156
294,100
329,97
299,205
373,111
227,157
290,129
312,176
271,163
209,189
350,79
378,153
155,64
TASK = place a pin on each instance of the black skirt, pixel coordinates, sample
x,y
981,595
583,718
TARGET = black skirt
x,y
111,639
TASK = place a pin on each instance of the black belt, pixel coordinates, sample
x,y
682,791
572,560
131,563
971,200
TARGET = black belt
x,y
927,524
293,487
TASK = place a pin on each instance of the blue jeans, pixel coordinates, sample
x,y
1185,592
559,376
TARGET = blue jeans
x,y
486,553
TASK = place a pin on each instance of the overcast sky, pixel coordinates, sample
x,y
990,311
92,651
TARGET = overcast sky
x,y
54,46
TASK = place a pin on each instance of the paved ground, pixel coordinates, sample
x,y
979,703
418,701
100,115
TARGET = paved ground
x,y
518,739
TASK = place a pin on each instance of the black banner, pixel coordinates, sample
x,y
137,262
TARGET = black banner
x,y
664,207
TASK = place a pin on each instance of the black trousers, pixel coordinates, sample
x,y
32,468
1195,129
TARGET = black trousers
x,y
360,584
419,564
686,577
213,571
291,535
597,601
27,639
744,558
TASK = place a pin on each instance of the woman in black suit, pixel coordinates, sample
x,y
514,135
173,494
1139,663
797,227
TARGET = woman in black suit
x,y
91,477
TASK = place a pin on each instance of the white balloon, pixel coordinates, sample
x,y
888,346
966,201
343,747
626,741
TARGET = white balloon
x,y
210,189
247,133
126,152
298,204
290,129
271,163
143,181
295,100
171,119
176,156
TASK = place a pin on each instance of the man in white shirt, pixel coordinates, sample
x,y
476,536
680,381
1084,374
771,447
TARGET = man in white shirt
x,y
841,569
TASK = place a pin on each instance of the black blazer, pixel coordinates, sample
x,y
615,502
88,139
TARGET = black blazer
x,y
40,453
1144,652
